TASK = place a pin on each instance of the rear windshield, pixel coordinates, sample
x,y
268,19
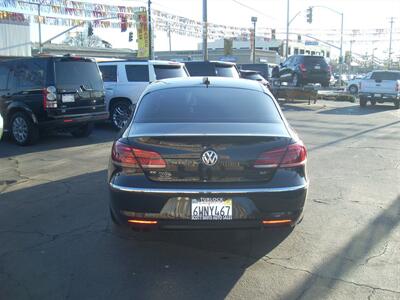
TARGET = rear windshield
x,y
386,76
253,77
203,105
229,71
200,69
75,74
314,60
169,71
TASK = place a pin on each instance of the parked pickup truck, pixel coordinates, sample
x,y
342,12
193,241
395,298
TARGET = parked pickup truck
x,y
380,86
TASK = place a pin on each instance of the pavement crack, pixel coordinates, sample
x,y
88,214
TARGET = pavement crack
x,y
377,255
268,261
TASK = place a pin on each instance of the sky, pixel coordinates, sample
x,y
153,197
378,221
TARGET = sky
x,y
358,14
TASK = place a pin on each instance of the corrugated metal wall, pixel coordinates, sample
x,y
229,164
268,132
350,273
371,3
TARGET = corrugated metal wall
x,y
14,39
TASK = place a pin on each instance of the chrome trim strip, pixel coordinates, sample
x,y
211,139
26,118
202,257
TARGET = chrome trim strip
x,y
138,135
207,191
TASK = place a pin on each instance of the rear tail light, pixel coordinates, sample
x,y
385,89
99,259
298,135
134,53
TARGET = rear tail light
x,y
294,155
50,97
302,67
142,222
126,156
149,159
277,222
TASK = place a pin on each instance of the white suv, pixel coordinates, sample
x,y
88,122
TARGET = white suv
x,y
125,80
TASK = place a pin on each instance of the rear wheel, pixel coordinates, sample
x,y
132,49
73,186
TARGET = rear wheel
x,y
121,112
373,102
397,104
23,130
295,80
353,89
83,131
363,102
325,84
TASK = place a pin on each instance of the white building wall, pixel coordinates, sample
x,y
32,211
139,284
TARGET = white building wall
x,y
15,40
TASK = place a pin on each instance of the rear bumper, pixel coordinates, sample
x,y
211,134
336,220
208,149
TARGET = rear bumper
x,y
171,209
73,120
380,96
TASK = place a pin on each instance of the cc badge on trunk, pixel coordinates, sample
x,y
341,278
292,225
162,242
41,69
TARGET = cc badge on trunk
x,y
209,158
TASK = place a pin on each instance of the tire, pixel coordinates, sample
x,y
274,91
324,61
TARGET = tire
x,y
373,102
363,102
120,113
295,80
325,84
83,131
397,104
353,89
23,131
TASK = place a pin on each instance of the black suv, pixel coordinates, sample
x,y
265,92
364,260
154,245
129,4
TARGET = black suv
x,y
303,69
212,68
48,93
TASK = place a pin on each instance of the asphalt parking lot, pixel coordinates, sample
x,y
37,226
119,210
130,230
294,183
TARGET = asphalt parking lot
x,y
56,240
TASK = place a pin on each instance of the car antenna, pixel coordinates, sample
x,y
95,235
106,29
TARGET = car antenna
x,y
206,81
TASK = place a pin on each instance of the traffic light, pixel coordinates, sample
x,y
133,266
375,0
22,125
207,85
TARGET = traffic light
x,y
124,24
131,36
273,34
90,30
309,14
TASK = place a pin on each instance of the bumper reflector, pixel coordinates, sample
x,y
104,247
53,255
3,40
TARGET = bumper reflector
x,y
144,222
276,222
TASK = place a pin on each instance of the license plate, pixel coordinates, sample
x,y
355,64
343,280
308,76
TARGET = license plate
x,y
68,98
317,67
211,208
377,95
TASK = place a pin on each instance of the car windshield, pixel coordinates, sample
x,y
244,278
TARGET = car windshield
x,y
256,76
226,71
169,71
386,76
314,60
75,74
199,104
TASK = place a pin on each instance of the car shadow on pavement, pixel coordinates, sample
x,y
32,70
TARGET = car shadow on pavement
x,y
357,110
355,253
58,242
357,134
52,141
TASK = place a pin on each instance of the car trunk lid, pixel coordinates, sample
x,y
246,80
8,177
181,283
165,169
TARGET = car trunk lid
x,y
183,147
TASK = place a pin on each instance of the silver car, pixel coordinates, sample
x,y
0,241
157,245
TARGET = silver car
x,y
1,126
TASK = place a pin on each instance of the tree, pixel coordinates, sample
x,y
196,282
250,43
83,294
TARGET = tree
x,y
81,39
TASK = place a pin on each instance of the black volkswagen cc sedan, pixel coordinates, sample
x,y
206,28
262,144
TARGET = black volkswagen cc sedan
x,y
207,153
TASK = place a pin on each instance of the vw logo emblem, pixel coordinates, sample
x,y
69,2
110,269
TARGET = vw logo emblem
x,y
209,158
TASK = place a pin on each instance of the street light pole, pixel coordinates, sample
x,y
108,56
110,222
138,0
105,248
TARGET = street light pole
x,y
150,30
205,33
341,52
287,29
390,43
254,20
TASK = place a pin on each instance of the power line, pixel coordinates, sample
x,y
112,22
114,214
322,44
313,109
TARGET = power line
x,y
254,9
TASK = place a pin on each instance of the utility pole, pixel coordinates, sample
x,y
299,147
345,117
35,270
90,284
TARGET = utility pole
x,y
287,29
254,20
39,6
169,37
390,42
205,33
341,52
40,28
150,30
